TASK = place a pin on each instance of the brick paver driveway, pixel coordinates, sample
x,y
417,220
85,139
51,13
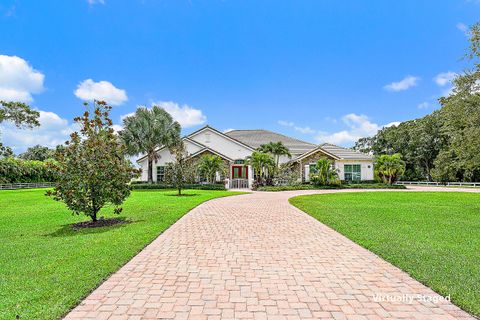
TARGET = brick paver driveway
x,y
257,257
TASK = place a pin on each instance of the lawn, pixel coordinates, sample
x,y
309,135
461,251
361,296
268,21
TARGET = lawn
x,y
434,236
46,267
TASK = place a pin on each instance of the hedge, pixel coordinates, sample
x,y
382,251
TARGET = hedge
x,y
14,170
144,186
343,186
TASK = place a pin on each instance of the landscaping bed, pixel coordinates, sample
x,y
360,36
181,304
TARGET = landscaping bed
x,y
50,260
342,186
434,236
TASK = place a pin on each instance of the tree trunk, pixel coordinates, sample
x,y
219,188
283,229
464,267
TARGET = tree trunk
x,y
179,191
150,170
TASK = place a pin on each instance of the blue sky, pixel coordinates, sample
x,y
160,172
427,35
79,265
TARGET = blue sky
x,y
317,70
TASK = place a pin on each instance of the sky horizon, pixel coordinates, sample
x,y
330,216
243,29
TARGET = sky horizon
x,y
319,71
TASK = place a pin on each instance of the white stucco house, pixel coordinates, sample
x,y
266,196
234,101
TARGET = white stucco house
x,y
234,146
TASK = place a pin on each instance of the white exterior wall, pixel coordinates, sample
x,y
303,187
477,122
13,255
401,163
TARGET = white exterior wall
x,y
164,158
221,144
366,168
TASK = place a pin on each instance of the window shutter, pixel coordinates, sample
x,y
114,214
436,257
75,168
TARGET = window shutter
x,y
307,173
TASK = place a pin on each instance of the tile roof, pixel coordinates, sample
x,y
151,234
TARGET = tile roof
x,y
255,138
345,153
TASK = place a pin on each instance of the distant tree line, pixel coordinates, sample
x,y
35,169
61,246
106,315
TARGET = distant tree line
x,y
444,145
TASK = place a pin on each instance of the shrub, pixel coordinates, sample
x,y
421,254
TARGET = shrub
x,y
150,186
325,174
14,170
93,169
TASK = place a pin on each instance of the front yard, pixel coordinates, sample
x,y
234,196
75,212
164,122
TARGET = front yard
x,y
435,236
46,267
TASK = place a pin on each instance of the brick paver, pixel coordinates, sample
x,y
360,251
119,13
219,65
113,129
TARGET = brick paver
x,y
256,257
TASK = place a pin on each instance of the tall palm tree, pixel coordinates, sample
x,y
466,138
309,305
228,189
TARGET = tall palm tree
x,y
277,149
209,165
262,164
148,129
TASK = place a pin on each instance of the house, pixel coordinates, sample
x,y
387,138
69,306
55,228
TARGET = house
x,y
234,146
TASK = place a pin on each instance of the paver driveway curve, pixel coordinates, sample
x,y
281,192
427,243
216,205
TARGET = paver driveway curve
x,y
257,257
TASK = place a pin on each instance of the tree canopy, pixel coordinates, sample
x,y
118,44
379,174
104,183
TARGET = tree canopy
x,y
147,130
445,144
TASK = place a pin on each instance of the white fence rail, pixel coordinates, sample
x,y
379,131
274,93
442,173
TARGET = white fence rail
x,y
33,185
440,184
238,184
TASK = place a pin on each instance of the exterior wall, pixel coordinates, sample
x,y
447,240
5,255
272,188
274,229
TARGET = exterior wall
x,y
223,145
311,159
219,175
366,168
164,158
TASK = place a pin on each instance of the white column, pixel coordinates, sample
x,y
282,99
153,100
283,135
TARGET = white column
x,y
250,176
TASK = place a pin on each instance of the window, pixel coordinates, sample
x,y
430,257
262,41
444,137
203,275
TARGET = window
x,y
239,161
353,172
160,174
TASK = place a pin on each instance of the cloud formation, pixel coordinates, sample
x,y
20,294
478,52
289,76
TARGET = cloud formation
x,y
304,130
444,78
89,90
402,85
184,114
358,126
53,131
18,80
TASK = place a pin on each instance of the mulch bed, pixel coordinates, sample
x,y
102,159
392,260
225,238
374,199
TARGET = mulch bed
x,y
99,223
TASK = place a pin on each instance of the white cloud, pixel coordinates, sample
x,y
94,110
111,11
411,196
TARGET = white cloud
x,y
304,130
53,131
228,130
404,84
423,105
464,28
392,124
18,80
286,123
89,90
358,126
444,78
185,115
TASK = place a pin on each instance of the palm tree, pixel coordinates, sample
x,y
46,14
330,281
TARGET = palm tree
x,y
390,167
209,165
325,173
262,164
147,130
276,149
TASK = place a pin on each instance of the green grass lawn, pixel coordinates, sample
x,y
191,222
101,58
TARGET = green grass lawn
x,y
46,267
434,236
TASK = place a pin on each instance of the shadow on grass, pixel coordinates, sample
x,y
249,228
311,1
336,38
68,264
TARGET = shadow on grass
x,y
80,228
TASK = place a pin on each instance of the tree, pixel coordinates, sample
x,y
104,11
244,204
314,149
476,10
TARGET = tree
x,y
93,169
146,131
263,165
276,149
182,170
325,174
38,152
209,165
21,115
390,167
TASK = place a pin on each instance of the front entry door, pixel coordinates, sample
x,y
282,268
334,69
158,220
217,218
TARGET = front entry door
x,y
239,172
